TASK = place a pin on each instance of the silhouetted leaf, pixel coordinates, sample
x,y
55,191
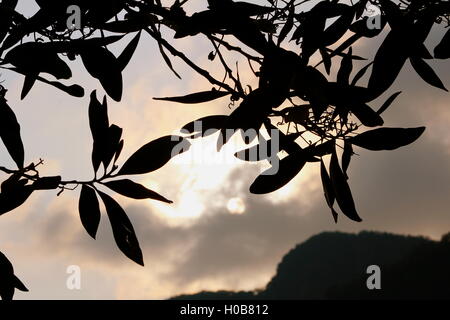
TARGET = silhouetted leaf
x,y
10,133
338,28
388,102
99,124
74,90
205,126
10,201
128,52
346,68
261,151
288,168
154,155
426,72
47,183
9,282
134,190
249,115
366,115
393,13
103,65
111,144
346,156
118,150
310,84
387,138
14,192
123,230
312,29
326,59
320,150
328,190
287,26
28,84
18,284
45,59
286,142
89,210
341,189
360,73
198,97
388,62
167,60
442,50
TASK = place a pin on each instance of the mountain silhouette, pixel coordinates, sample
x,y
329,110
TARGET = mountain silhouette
x,y
333,265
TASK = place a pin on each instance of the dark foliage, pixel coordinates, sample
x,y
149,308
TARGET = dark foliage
x,y
8,280
333,266
322,115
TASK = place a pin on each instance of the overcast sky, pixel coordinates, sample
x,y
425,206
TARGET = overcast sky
x,y
197,243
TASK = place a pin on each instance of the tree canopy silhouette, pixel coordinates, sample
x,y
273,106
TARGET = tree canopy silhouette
x,y
280,40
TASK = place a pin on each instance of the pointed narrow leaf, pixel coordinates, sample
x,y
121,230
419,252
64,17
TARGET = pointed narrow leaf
x,y
74,90
118,151
360,74
167,60
367,115
128,52
341,189
89,210
389,61
388,102
337,30
346,156
326,59
442,50
287,26
45,59
199,97
346,68
123,230
387,138
261,151
19,284
10,133
103,65
328,189
28,83
14,192
154,155
426,72
99,125
11,201
134,190
269,181
111,144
